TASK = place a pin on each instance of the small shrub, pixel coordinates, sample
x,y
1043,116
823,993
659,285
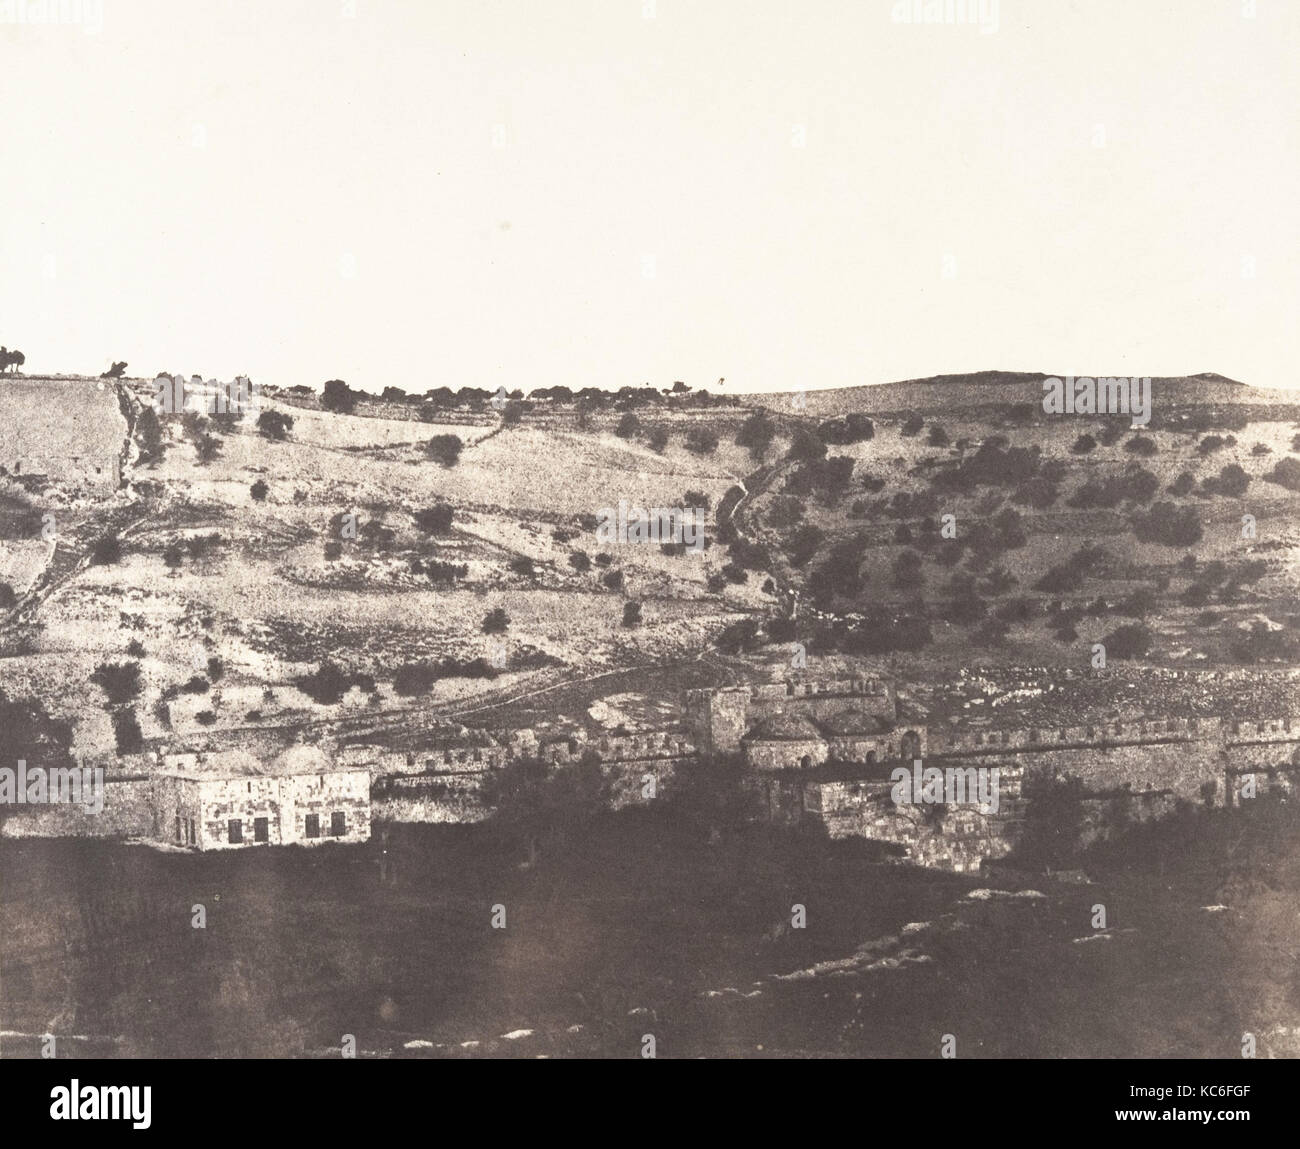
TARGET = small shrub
x,y
120,681
444,450
1133,640
435,520
126,732
274,424
106,551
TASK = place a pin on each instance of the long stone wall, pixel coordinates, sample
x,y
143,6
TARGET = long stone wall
x,y
430,798
619,748
950,741
127,813
457,797
1178,755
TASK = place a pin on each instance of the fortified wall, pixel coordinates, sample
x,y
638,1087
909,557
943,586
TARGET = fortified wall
x,y
1183,756
68,429
443,783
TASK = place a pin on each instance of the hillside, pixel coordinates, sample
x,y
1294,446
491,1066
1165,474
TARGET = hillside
x,y
345,576
984,389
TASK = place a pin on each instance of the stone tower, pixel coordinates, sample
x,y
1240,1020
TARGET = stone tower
x,y
718,718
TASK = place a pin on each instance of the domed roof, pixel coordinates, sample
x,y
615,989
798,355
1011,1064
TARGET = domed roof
x,y
785,728
302,759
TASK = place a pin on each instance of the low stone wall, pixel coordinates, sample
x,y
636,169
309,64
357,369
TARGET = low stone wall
x,y
457,797
429,798
127,813
1181,767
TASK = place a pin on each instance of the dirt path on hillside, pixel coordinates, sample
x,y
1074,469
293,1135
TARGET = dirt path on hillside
x,y
71,555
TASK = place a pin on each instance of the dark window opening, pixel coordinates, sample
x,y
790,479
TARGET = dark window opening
x,y
338,824
261,830
180,836
235,831
313,825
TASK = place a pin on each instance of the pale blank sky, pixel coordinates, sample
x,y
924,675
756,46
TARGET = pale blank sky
x,y
530,193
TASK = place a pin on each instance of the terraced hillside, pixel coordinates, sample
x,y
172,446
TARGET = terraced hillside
x,y
303,569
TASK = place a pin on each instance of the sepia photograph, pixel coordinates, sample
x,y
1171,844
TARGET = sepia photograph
x,y
650,529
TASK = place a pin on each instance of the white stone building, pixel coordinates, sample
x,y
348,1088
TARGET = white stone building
x,y
231,799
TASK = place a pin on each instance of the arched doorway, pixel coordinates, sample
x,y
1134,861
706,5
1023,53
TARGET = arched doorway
x,y
805,762
910,747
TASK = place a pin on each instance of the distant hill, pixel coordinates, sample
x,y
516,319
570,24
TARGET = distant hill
x,y
983,388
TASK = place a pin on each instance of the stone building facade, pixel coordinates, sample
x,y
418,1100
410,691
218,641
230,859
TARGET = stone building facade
x,y
230,800
799,725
